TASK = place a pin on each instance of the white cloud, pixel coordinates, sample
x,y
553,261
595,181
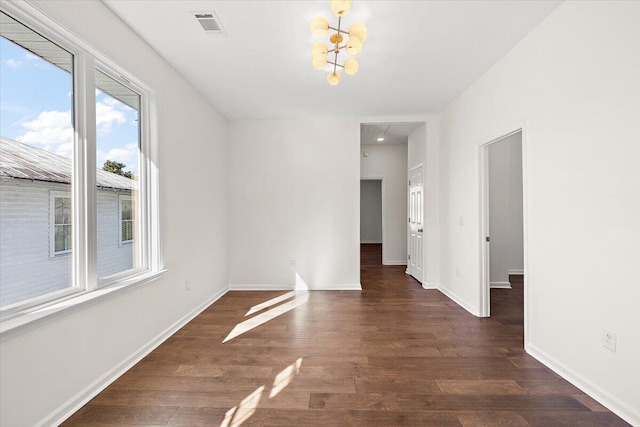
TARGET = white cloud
x,y
127,154
109,115
27,59
50,129
13,63
65,149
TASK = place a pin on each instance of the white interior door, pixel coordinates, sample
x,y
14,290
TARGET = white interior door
x,y
416,226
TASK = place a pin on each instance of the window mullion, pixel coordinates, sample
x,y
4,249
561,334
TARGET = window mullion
x,y
84,175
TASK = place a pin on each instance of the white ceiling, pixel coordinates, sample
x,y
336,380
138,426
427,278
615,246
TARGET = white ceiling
x,y
418,57
394,133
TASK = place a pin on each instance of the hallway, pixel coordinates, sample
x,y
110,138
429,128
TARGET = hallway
x,y
393,354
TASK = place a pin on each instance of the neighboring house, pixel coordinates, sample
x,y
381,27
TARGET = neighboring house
x,y
36,223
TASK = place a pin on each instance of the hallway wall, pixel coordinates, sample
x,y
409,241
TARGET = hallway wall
x,y
574,85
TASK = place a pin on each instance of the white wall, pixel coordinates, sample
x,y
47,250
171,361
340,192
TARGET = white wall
x,y
390,161
48,364
295,190
574,84
371,211
505,209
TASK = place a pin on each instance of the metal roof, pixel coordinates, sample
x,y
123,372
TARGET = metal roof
x,y
46,49
22,161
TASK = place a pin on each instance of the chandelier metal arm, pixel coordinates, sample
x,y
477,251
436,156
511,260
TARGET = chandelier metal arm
x,y
335,64
338,30
337,46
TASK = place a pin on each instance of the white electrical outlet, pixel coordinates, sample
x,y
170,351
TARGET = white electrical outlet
x,y
293,263
609,339
188,284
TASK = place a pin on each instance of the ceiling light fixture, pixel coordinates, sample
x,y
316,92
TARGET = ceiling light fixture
x,y
353,46
380,137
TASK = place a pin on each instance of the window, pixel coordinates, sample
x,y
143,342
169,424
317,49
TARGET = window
x,y
79,184
61,223
36,153
126,220
118,177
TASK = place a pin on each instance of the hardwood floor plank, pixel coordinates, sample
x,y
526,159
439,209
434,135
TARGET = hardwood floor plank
x,y
480,387
122,415
492,419
372,401
392,355
356,418
395,385
572,419
201,417
442,402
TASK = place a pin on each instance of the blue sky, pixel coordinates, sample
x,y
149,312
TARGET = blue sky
x,y
35,108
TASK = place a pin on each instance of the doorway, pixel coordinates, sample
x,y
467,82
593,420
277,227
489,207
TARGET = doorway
x,y
503,249
416,223
371,220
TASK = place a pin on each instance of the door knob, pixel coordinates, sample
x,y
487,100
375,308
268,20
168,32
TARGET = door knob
x,y
420,230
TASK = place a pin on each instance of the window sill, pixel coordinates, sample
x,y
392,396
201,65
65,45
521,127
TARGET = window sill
x,y
18,322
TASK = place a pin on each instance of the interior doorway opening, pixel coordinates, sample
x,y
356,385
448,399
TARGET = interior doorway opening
x,y
371,214
503,249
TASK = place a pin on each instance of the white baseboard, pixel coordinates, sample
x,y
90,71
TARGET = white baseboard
x,y
253,287
516,272
430,285
337,287
72,405
370,242
386,262
329,287
455,298
500,285
627,413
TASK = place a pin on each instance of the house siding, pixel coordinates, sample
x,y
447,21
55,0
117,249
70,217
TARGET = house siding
x,y
27,268
113,257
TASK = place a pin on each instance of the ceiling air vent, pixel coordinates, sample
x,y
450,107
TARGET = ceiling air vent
x,y
209,22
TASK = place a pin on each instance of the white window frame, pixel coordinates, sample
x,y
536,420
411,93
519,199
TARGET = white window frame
x,y
53,195
122,198
85,284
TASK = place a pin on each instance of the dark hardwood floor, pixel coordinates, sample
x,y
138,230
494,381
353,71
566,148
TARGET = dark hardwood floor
x,y
394,354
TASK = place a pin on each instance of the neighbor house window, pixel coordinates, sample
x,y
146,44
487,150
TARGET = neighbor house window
x,y
61,227
126,220
79,187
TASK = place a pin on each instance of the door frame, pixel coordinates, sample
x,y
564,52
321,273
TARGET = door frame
x,y
384,209
483,229
424,235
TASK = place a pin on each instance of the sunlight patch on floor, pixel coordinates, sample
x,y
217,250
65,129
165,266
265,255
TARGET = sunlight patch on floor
x,y
285,377
241,413
271,302
245,409
300,298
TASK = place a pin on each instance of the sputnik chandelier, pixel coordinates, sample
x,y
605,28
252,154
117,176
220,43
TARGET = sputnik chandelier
x,y
320,51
